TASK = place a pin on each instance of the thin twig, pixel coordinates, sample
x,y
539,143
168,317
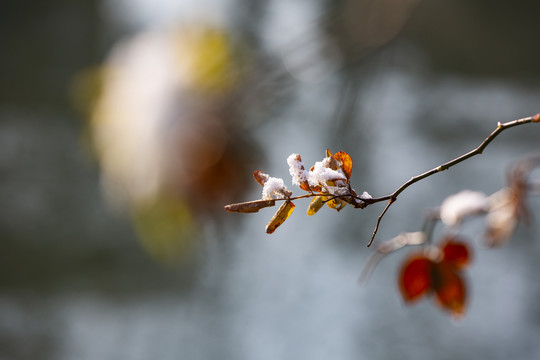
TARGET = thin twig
x,y
431,219
362,202
379,221
387,247
300,197
447,165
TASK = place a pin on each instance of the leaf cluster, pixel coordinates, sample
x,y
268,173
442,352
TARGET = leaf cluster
x,y
437,269
327,182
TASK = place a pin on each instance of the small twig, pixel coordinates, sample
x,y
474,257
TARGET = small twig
x,y
301,197
379,221
478,150
430,221
362,202
387,247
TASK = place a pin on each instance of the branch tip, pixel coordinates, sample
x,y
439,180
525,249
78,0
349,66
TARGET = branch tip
x,y
477,151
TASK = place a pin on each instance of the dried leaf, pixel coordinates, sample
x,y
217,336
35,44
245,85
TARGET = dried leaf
x,y
415,277
332,163
284,211
315,205
346,163
456,252
450,289
250,206
336,203
502,218
260,177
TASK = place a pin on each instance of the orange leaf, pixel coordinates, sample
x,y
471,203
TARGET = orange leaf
x,y
415,277
450,289
346,162
260,177
284,211
456,252
250,206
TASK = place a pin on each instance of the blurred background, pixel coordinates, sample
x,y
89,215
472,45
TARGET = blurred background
x,y
126,126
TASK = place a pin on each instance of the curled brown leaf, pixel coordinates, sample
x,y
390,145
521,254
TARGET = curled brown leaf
x,y
260,177
250,206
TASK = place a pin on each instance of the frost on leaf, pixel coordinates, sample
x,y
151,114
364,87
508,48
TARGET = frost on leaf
x,y
329,178
327,182
284,211
322,175
298,172
274,188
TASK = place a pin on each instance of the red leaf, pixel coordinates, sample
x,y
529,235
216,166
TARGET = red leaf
x,y
415,277
450,289
456,252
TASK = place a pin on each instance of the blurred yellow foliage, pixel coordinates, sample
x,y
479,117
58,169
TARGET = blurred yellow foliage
x,y
165,130
166,229
208,58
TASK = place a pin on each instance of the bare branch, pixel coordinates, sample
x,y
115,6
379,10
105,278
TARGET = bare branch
x,y
390,202
361,202
447,165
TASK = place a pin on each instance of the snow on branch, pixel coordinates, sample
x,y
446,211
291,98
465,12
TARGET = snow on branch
x,y
328,182
439,268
